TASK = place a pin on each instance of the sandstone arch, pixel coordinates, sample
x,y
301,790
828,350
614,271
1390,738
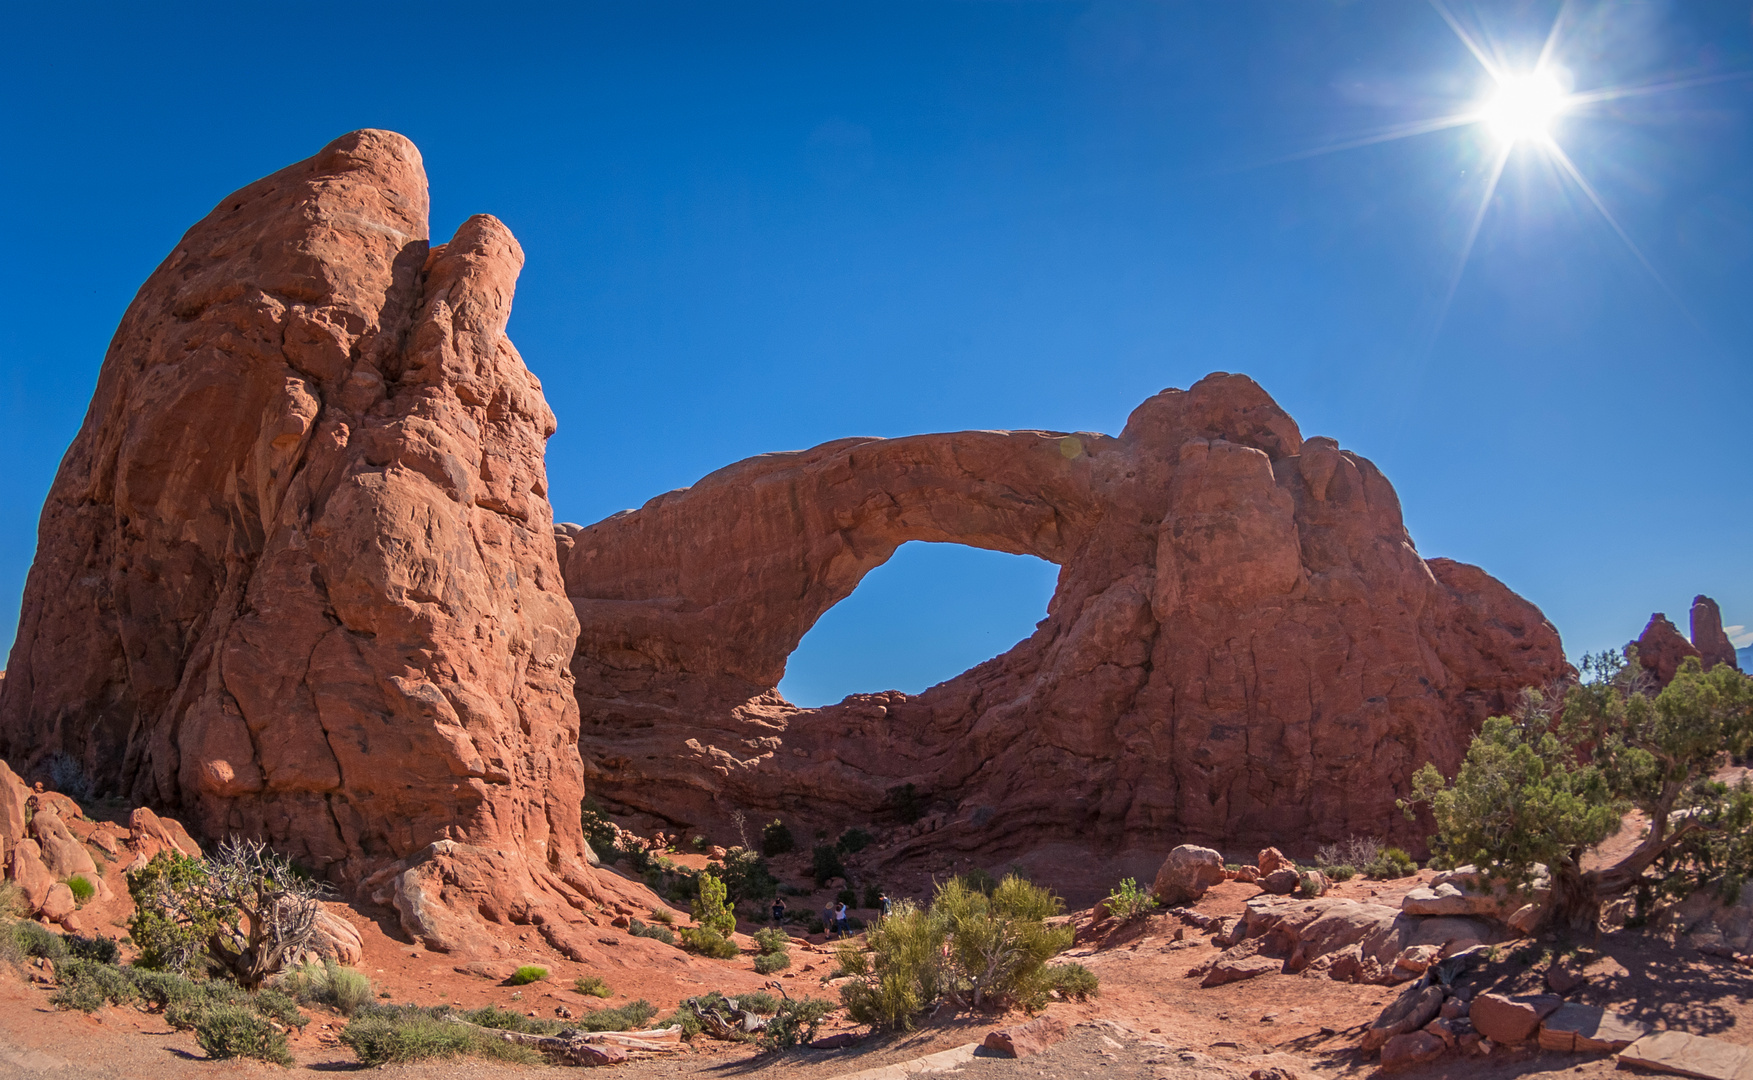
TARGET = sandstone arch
x,y
1243,644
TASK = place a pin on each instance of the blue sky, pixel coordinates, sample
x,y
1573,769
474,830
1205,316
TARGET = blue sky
x,y
761,226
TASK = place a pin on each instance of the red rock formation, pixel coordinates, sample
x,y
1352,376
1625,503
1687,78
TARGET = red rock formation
x,y
296,575
1713,645
1661,649
1243,646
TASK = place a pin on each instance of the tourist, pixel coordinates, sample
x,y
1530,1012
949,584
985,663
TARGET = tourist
x,y
778,910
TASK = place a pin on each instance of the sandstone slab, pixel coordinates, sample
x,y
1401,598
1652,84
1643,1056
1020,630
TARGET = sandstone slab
x,y
1690,1055
1589,1029
1235,969
1414,1008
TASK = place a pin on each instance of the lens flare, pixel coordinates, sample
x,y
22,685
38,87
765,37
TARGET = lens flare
x,y
1525,106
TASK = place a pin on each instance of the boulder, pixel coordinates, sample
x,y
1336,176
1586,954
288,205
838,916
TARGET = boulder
x,y
1661,649
1589,1029
27,871
1410,1049
1308,929
1414,1008
1280,882
1186,874
336,937
1511,1019
59,903
1029,1038
62,854
1271,859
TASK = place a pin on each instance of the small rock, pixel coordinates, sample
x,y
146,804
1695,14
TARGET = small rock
x,y
1418,958
1410,1011
1510,1020
1186,875
1272,860
1279,882
1410,1049
1228,971
1024,1040
1441,1029
59,903
1454,1009
562,1012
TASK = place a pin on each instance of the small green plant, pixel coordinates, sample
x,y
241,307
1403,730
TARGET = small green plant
x,y
228,1031
709,942
1392,863
593,986
746,876
768,963
1311,885
82,889
854,840
711,911
1127,901
1073,980
793,1023
385,1034
656,933
825,864
99,948
699,844
328,983
772,940
663,915
527,974
632,1016
33,940
1342,872
776,838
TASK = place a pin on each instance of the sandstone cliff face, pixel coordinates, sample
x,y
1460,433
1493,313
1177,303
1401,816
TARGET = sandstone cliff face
x,y
1243,645
296,575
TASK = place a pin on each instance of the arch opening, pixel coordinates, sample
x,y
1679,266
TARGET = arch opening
x,y
929,613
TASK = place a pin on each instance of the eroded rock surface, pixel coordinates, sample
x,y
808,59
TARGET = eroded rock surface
x,y
1661,648
296,576
1244,646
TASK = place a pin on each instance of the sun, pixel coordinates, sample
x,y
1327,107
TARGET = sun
x,y
1525,106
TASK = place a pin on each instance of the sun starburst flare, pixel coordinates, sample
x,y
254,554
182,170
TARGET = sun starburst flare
x,y
1522,108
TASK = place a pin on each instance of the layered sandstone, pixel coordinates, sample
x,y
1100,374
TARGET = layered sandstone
x,y
296,575
1244,646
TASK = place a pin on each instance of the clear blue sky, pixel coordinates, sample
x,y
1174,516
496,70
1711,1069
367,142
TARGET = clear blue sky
x,y
759,226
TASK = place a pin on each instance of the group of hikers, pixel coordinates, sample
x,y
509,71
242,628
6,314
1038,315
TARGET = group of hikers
x,y
835,918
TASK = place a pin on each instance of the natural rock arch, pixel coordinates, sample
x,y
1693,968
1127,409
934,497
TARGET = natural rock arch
x,y
1243,644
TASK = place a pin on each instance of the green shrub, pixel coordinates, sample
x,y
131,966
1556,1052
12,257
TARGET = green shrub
x,y
699,844
776,838
847,897
768,963
592,986
1072,980
13,904
709,942
759,1002
854,840
1391,863
1342,872
328,983
746,876
228,1031
83,890
176,912
527,974
772,940
99,948
656,933
492,1016
277,1005
979,881
87,985
1311,885
793,1022
711,911
1127,901
873,897
632,1016
378,1036
969,946
34,940
663,915
825,864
